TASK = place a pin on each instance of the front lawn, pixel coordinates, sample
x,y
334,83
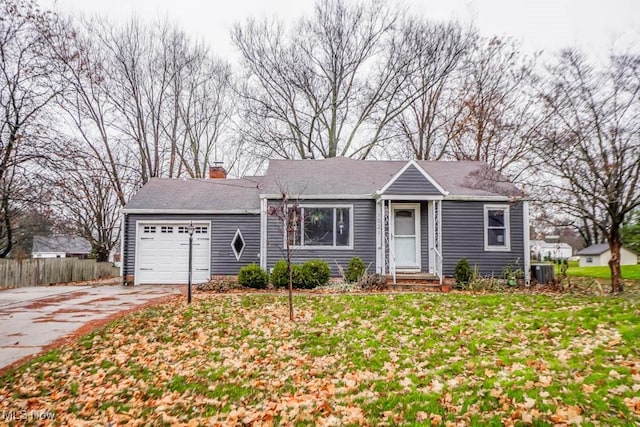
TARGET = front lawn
x,y
629,272
388,359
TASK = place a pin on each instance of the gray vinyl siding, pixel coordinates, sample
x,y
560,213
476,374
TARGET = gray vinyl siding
x,y
463,236
412,182
223,260
223,228
364,238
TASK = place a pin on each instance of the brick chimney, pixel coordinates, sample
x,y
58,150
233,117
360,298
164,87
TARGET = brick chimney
x,y
217,171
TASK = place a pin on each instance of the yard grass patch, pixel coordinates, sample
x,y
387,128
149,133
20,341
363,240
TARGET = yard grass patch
x,y
629,272
388,359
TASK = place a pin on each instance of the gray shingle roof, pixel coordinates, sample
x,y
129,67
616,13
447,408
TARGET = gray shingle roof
x,y
61,243
597,249
167,194
347,176
331,177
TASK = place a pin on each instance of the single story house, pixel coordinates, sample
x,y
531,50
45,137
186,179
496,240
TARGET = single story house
x,y
60,246
409,217
598,255
542,250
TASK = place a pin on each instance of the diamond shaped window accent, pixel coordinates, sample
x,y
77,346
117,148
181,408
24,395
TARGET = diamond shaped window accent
x,y
237,244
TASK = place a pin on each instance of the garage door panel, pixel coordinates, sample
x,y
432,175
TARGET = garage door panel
x,y
164,257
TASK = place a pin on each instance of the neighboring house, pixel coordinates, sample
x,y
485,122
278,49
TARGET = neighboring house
x,y
599,255
397,216
542,250
60,246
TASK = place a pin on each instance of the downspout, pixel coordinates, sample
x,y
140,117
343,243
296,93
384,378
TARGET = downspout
x,y
379,238
527,250
263,233
123,255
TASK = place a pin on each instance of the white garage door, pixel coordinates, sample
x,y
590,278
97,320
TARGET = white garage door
x,y
163,253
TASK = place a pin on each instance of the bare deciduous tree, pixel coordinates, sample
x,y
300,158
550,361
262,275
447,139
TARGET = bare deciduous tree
x,y
205,107
85,199
29,81
496,114
590,143
424,127
331,85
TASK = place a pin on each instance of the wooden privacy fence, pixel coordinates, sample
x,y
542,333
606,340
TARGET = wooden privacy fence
x,y
46,271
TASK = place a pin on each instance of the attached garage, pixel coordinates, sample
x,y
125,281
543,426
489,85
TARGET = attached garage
x,y
163,252
225,214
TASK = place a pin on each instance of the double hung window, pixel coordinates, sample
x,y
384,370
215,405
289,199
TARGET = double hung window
x,y
497,235
321,226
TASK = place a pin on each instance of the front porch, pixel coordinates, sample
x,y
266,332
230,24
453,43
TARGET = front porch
x,y
409,238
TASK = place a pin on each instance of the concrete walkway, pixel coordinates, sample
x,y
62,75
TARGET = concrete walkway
x,y
35,317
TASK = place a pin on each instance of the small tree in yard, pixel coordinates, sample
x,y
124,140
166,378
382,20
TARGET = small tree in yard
x,y
287,214
589,144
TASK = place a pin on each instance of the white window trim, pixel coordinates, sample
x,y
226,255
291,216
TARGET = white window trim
x,y
507,229
238,234
319,247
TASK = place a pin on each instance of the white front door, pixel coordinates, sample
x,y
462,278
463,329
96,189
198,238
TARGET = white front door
x,y
406,236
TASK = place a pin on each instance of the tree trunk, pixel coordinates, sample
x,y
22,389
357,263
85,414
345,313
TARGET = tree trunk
x,y
290,291
615,243
102,254
290,268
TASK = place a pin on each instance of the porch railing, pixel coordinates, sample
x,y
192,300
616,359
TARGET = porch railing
x,y
392,263
438,267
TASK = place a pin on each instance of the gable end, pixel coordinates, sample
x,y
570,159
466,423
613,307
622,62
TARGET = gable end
x,y
412,180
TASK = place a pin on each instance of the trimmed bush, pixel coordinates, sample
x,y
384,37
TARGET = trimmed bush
x,y
314,273
462,272
252,276
280,275
355,270
299,278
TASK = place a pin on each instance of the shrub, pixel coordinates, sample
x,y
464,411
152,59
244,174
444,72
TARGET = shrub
x,y
252,276
306,276
280,274
218,284
355,270
313,273
462,272
373,282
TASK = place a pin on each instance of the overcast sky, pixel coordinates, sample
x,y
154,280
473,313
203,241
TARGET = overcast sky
x,y
540,24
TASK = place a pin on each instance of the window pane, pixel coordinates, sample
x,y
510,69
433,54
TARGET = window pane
x,y
496,236
496,218
294,226
404,223
405,251
342,227
318,227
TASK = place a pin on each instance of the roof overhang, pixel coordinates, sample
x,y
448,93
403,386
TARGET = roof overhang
x,y
190,211
417,197
274,196
496,198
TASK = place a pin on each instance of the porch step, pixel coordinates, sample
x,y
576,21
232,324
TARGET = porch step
x,y
417,277
422,281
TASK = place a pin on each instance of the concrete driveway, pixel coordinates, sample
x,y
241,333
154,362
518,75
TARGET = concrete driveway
x,y
36,317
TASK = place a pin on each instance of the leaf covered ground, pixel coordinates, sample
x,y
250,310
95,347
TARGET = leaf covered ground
x,y
387,359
